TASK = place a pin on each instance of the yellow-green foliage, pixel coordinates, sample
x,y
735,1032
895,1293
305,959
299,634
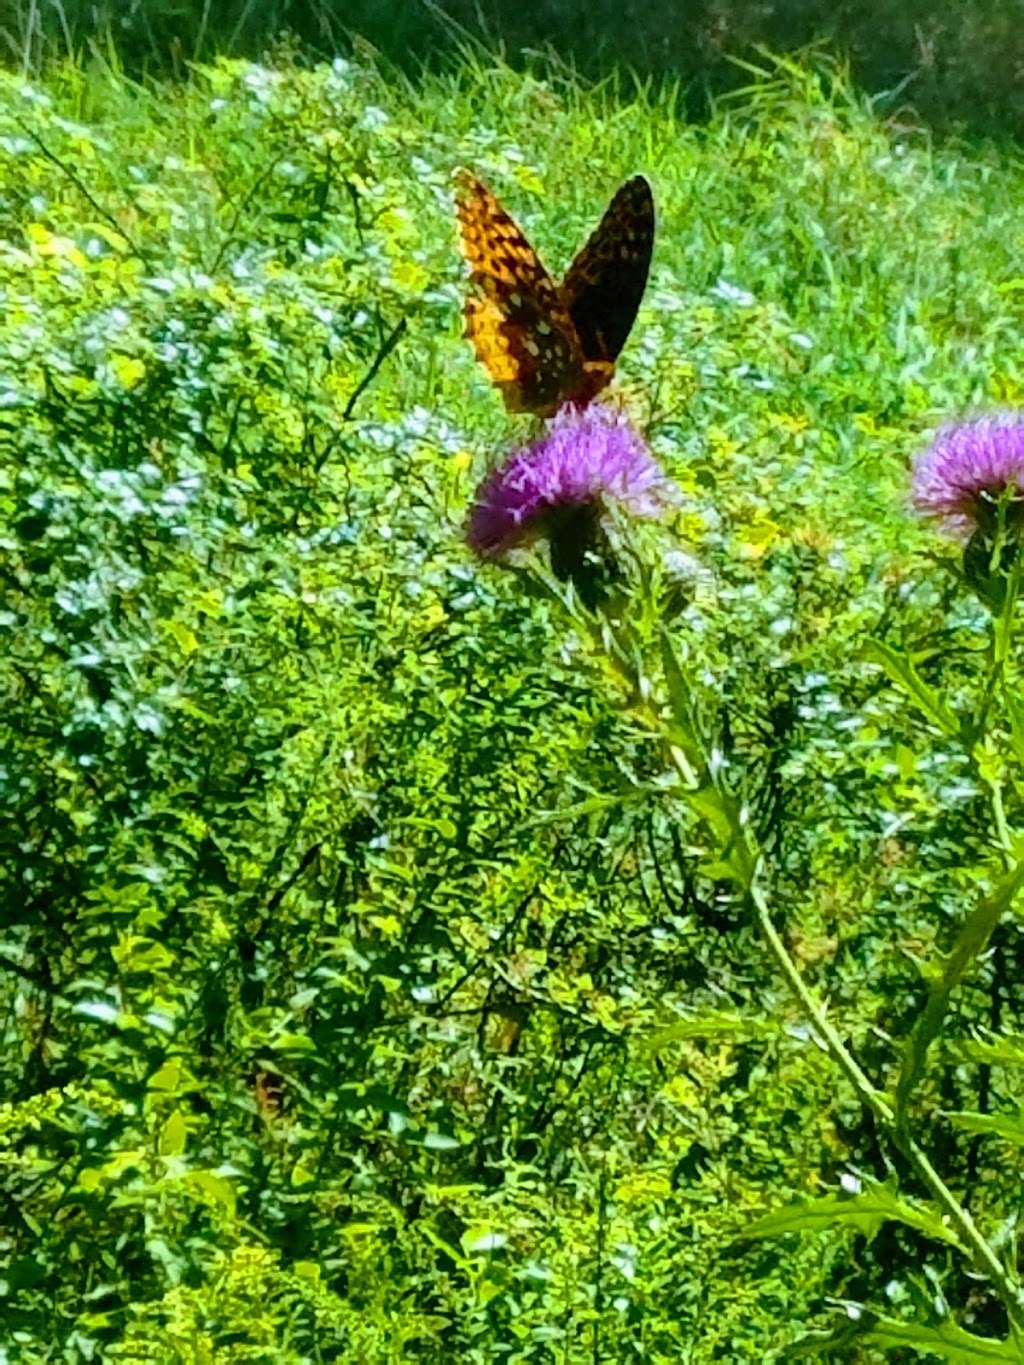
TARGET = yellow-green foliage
x,y
289,785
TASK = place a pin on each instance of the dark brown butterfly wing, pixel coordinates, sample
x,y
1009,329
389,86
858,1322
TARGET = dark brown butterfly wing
x,y
605,283
515,317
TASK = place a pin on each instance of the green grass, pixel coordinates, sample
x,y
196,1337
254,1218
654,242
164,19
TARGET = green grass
x,y
955,61
292,784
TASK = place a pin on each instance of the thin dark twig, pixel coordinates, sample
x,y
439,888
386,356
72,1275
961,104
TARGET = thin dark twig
x,y
357,211
240,208
508,929
37,978
306,862
659,876
387,346
83,190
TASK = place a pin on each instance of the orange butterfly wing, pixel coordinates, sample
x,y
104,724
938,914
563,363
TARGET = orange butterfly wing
x,y
604,285
519,326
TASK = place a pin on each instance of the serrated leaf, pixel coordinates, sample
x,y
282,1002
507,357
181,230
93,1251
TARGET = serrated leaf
x,y
948,1341
135,953
711,1025
172,1078
683,733
1008,1126
717,810
1003,1051
969,945
865,1212
722,812
1015,714
289,1041
900,669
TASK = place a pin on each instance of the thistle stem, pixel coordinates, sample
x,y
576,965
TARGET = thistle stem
x,y
985,1259
814,1011
694,777
982,1253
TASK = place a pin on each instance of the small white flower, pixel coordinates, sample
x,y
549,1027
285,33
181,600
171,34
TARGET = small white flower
x,y
732,293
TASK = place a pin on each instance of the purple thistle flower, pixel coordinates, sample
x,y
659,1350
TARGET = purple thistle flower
x,y
585,461
967,468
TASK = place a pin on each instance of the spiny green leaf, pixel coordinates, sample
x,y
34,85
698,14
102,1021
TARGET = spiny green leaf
x,y
712,1025
684,729
865,1212
1002,1051
970,943
1008,1126
948,1341
901,669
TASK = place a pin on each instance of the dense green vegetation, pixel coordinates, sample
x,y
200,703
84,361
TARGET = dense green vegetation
x,y
295,795
949,61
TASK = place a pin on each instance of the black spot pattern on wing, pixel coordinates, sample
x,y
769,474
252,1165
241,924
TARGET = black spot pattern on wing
x,y
605,283
515,317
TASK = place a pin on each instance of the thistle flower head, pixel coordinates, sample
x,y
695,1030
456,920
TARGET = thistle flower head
x,y
968,470
585,461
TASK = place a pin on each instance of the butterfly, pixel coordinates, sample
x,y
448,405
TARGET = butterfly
x,y
545,344
268,1088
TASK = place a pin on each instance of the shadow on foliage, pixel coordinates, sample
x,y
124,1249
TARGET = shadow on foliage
x,y
955,63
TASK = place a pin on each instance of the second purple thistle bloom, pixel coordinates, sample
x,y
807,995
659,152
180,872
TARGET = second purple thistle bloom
x,y
969,466
585,461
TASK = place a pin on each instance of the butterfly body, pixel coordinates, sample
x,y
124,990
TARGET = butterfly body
x,y
268,1089
545,344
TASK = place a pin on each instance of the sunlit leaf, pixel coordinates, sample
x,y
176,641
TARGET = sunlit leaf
x,y
713,1025
865,1212
128,370
216,1188
174,1135
1007,1126
947,1341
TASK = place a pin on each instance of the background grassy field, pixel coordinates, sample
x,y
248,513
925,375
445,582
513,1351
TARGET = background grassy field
x,y
954,61
293,788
